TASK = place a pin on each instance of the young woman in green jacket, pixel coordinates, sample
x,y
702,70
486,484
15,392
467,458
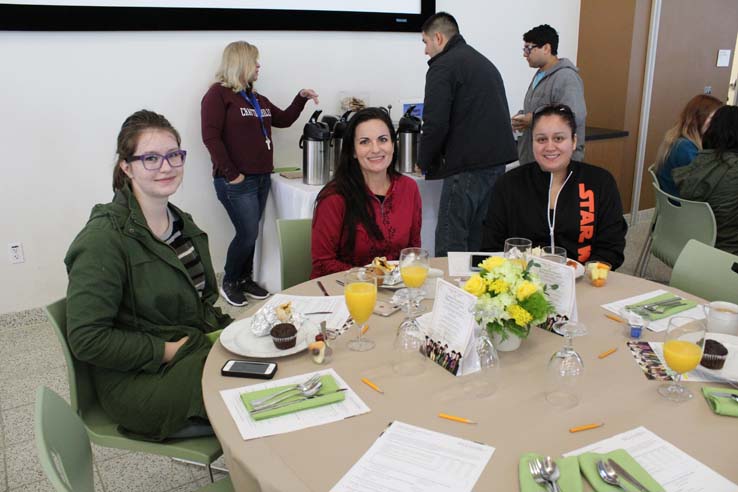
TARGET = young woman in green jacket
x,y
141,291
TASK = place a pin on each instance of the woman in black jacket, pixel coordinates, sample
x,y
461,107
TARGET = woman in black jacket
x,y
557,201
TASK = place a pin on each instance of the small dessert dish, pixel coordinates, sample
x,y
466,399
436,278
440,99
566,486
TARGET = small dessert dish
x,y
284,336
714,355
596,272
376,272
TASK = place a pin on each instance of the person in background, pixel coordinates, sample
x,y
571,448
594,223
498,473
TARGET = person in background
x,y
368,209
683,140
556,81
713,176
141,291
467,138
556,200
237,126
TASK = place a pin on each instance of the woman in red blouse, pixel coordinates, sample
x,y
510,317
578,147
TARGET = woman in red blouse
x,y
369,209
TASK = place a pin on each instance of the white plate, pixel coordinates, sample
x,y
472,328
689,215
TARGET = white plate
x,y
730,369
239,339
579,269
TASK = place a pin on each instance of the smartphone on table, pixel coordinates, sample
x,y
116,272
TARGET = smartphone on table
x,y
475,260
249,369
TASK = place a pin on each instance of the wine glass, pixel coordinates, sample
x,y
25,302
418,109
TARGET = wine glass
x,y
518,248
413,270
360,291
407,355
683,344
565,370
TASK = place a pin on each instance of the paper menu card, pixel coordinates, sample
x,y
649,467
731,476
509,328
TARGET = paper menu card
x,y
450,333
671,467
252,429
561,275
658,325
406,458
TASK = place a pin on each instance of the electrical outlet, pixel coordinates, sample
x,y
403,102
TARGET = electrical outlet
x,y
15,251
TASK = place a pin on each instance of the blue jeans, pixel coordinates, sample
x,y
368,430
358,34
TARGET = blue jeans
x,y
465,198
245,204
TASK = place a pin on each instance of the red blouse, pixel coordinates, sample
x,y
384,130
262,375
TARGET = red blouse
x,y
399,218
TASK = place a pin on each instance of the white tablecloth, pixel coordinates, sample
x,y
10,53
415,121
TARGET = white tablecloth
x,y
291,199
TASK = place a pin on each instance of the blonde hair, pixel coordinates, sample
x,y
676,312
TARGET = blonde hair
x,y
689,126
237,66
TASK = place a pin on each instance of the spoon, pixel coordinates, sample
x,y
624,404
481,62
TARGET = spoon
x,y
297,387
308,393
608,475
551,473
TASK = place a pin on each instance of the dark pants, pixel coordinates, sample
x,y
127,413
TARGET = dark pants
x,y
465,198
245,204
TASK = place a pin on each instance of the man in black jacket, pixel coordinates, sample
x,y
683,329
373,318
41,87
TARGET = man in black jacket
x,y
467,137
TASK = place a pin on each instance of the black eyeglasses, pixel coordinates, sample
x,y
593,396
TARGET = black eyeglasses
x,y
527,48
553,108
152,161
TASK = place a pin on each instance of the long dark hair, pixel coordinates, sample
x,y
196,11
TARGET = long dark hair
x,y
132,128
722,134
349,183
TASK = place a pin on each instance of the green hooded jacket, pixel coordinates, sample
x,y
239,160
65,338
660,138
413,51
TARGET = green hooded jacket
x,y
714,179
128,293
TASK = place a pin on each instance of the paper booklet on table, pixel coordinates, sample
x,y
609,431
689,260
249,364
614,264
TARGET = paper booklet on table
x,y
560,280
406,458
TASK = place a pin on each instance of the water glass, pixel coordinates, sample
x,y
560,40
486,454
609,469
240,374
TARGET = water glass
x,y
518,248
557,254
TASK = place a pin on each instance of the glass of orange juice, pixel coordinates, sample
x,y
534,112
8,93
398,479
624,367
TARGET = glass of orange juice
x,y
683,346
413,270
360,292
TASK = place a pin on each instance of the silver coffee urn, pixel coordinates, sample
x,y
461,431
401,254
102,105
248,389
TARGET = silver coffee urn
x,y
337,132
408,137
314,142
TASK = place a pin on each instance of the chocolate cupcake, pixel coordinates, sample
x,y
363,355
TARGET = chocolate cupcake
x,y
714,355
284,335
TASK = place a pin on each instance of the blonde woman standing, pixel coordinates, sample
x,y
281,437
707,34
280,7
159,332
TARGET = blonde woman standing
x,y
237,126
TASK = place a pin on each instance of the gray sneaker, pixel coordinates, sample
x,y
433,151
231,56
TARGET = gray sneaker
x,y
231,292
252,289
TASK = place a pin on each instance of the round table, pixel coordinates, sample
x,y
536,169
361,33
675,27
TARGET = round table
x,y
516,419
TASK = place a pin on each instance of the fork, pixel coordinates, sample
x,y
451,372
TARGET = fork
x,y
536,471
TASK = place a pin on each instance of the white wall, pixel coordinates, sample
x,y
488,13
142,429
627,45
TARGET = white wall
x,y
63,97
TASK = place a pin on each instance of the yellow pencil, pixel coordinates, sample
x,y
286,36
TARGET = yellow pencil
x,y
607,352
371,385
455,418
585,427
615,318
364,329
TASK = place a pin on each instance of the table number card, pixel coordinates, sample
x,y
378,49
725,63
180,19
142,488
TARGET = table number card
x,y
451,329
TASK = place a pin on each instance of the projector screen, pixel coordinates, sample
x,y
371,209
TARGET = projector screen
x,y
144,15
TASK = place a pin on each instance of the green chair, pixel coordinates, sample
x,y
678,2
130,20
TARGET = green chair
x,y
707,272
678,221
64,447
642,263
100,428
294,250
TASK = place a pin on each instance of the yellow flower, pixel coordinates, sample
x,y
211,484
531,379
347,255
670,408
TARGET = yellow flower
x,y
520,315
475,285
492,262
525,290
498,286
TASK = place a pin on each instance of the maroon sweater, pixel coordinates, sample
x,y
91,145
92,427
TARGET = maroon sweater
x,y
233,135
399,218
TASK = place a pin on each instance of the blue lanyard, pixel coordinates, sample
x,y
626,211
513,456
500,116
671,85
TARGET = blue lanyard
x,y
251,98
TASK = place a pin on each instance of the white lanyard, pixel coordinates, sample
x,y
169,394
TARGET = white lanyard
x,y
552,222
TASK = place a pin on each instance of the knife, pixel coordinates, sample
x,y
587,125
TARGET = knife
x,y
623,473
292,402
719,394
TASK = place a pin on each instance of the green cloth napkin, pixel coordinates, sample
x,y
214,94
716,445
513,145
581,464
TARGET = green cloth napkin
x,y
686,304
328,394
588,465
214,335
721,405
569,481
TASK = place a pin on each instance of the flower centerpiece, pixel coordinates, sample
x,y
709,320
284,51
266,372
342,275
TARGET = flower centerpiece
x,y
510,297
